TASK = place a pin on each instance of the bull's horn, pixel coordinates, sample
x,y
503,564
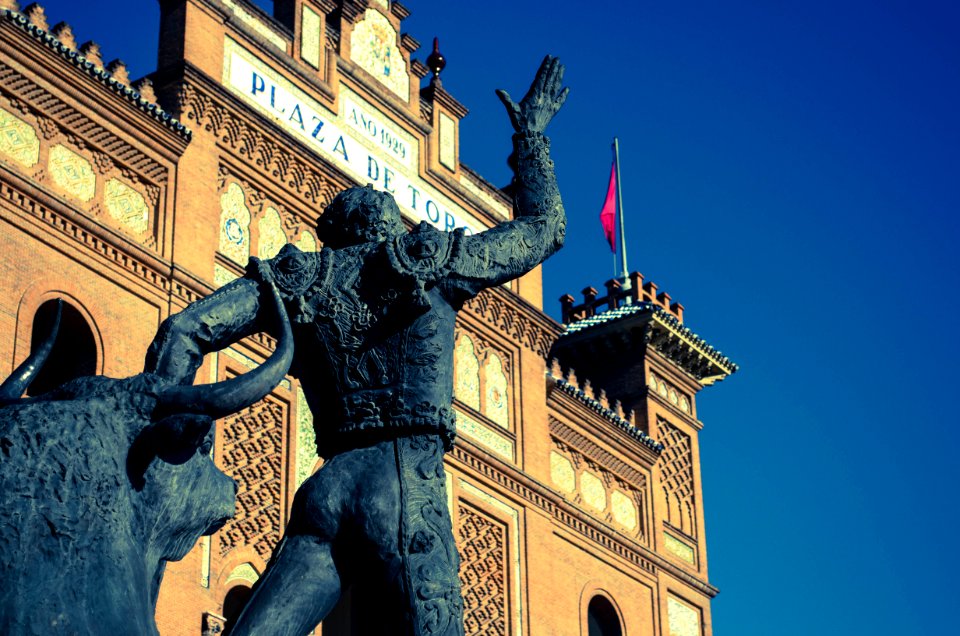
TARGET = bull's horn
x,y
14,386
230,396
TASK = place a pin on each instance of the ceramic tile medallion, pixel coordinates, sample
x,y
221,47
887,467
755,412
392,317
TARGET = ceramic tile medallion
x,y
18,140
72,173
373,47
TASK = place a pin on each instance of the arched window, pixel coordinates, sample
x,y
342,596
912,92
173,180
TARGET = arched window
x,y
74,353
602,619
234,602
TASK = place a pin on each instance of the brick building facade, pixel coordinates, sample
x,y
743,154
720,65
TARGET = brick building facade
x,y
574,487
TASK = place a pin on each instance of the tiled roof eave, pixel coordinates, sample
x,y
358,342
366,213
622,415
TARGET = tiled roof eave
x,y
609,415
723,365
127,93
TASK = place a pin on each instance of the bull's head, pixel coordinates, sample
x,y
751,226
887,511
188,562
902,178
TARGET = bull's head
x,y
140,430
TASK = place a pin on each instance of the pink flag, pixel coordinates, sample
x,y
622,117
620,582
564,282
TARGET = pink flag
x,y
609,211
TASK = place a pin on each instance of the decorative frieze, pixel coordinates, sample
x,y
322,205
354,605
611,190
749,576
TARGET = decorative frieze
x,y
562,474
605,483
234,225
289,170
72,173
513,322
243,208
126,206
485,436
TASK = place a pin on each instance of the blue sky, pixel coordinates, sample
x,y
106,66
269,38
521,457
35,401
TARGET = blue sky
x,y
790,176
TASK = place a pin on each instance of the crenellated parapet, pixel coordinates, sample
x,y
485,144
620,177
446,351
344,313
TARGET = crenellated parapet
x,y
619,294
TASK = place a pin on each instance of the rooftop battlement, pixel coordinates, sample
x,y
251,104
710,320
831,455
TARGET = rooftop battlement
x,y
618,296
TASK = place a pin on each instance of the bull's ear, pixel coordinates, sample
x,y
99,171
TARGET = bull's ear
x,y
174,439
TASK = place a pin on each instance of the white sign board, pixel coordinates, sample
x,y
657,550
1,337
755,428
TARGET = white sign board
x,y
359,140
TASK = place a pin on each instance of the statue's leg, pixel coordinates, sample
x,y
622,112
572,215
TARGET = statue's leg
x,y
299,588
427,547
302,580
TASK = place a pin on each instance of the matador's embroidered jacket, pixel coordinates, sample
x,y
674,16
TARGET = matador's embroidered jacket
x,y
374,323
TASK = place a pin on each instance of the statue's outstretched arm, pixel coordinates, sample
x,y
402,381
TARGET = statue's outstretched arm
x,y
513,248
227,315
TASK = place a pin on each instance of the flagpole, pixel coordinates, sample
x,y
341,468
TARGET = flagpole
x,y
623,243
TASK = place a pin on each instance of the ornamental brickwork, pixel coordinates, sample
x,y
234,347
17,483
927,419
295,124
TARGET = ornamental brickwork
x,y
576,471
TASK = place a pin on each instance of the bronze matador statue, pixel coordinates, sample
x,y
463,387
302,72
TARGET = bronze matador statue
x,y
373,317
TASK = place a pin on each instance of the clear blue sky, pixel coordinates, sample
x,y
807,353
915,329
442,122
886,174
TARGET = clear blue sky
x,y
790,176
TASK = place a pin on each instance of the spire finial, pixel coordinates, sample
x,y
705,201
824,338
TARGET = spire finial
x,y
436,62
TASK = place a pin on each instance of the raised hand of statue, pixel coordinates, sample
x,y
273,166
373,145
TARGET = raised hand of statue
x,y
541,102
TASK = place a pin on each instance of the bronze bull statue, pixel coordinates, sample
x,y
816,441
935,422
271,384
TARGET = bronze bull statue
x,y
102,481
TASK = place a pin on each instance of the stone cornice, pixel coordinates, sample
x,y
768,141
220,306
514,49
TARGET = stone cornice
x,y
566,514
516,318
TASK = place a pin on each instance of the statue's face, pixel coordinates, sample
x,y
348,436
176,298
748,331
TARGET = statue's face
x,y
359,215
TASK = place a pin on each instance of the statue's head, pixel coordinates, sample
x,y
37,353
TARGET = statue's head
x,y
359,215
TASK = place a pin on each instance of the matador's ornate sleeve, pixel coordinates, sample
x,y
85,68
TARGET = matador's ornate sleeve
x,y
227,315
514,247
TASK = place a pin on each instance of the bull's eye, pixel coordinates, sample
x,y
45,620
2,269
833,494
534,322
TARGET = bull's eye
x,y
205,447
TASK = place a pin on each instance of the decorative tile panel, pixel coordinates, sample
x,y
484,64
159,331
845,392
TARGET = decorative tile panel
x,y
222,275
485,436
373,47
448,141
272,237
592,490
311,39
252,453
678,548
467,373
307,456
234,225
72,173
561,472
497,392
18,140
243,572
624,510
683,620
126,206
483,576
307,242
256,24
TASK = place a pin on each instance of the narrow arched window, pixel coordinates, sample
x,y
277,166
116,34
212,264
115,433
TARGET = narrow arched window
x,y
74,353
602,619
234,602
